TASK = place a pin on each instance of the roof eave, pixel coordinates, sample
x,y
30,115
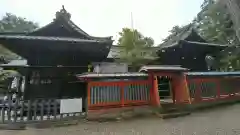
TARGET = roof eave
x,y
169,46
21,37
207,44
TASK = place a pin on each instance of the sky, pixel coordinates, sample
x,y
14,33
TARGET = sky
x,y
153,18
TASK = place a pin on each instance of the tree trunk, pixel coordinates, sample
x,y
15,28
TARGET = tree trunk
x,y
233,7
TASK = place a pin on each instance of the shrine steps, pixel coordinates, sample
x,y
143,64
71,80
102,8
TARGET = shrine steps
x,y
171,110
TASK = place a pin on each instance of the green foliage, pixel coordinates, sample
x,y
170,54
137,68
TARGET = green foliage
x,y
6,77
136,49
174,32
230,59
233,8
8,55
215,25
5,74
12,23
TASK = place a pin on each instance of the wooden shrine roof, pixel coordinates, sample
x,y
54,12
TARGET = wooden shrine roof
x,y
66,39
62,42
188,33
62,26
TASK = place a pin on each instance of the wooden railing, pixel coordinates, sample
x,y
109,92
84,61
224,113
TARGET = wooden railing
x,y
38,110
118,94
217,88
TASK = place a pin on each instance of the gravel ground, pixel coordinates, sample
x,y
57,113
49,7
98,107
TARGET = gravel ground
x,y
221,121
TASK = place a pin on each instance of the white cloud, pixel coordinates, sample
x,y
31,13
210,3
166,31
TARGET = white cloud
x,y
107,17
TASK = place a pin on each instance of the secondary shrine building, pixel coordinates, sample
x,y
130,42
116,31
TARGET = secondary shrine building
x,y
190,50
187,49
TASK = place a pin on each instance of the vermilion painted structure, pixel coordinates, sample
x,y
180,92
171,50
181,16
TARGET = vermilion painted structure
x,y
178,82
213,86
140,89
117,90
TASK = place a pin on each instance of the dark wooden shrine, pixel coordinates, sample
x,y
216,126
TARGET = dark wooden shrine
x,y
189,50
55,53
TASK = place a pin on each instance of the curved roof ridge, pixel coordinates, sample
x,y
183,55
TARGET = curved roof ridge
x,y
64,18
78,29
185,33
38,29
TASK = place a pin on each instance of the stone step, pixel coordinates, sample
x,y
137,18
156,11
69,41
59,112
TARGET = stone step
x,y
174,107
167,105
13,126
169,110
173,115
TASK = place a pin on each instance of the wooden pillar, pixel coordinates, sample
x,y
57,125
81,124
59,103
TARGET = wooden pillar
x,y
19,90
88,95
155,100
173,89
198,96
187,92
122,95
218,87
27,83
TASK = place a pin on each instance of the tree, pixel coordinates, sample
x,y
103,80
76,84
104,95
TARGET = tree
x,y
12,23
233,7
230,59
6,78
176,30
135,48
215,25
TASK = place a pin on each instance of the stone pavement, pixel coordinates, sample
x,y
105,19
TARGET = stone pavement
x,y
219,121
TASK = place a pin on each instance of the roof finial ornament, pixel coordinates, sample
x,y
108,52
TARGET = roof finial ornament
x,y
63,14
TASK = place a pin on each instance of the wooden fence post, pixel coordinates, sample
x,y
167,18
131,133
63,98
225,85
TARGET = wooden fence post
x,y
185,87
122,93
29,114
155,95
218,89
198,91
89,86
